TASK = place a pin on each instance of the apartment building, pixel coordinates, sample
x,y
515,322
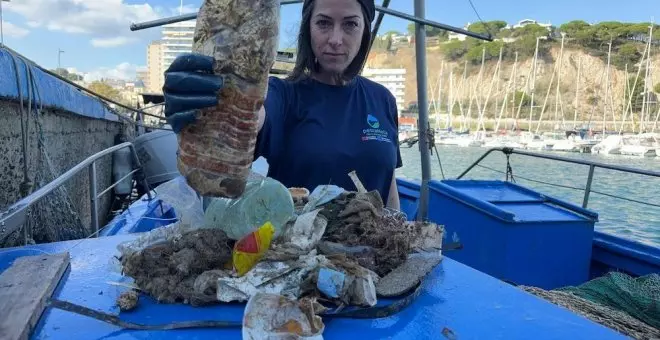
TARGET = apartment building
x,y
392,78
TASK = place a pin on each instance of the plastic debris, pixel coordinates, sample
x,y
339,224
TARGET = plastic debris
x,y
260,166
300,196
331,283
304,234
275,277
184,200
321,195
264,200
272,316
251,248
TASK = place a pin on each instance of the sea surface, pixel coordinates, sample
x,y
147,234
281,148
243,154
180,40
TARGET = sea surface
x,y
628,204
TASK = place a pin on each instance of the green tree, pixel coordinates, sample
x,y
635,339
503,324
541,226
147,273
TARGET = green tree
x,y
494,27
105,90
611,30
492,52
531,30
67,75
656,88
572,28
430,31
526,99
626,54
454,49
392,32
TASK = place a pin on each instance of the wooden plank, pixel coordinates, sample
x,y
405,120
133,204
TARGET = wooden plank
x,y
25,289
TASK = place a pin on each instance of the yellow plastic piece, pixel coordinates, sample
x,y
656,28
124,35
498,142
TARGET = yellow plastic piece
x,y
251,248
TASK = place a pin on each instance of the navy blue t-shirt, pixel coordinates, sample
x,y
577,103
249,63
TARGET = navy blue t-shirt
x,y
315,134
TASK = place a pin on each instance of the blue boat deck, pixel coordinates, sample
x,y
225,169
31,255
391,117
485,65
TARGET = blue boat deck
x,y
456,301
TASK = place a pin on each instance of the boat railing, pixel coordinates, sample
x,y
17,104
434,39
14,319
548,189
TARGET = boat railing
x,y
14,217
591,164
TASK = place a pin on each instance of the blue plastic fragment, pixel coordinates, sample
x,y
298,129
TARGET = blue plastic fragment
x,y
330,282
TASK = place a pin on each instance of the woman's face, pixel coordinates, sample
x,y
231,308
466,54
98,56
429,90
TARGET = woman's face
x,y
336,30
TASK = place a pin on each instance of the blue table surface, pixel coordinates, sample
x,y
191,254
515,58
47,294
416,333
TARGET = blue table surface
x,y
470,304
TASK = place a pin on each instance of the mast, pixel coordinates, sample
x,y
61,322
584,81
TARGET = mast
x,y
438,104
512,81
645,99
607,84
625,95
450,100
557,94
577,92
513,86
496,74
422,103
531,105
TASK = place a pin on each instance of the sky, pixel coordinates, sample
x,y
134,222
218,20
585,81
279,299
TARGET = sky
x,y
96,39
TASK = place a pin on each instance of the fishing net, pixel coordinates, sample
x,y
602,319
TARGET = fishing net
x,y
639,297
606,316
616,300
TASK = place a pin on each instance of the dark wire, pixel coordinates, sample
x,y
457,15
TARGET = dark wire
x,y
490,35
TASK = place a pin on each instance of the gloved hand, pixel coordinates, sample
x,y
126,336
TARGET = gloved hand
x,y
190,85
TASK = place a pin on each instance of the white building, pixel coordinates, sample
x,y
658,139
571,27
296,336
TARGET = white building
x,y
392,78
177,39
525,22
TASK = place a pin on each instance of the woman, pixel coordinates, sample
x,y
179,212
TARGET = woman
x,y
324,120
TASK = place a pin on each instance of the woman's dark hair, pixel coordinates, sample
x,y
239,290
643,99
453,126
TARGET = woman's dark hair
x,y
306,61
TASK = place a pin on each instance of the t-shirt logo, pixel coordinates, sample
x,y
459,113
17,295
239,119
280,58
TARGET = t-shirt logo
x,y
374,132
373,122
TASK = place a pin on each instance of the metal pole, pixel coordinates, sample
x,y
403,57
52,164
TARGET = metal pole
x,y
2,35
422,104
587,190
415,18
379,20
92,196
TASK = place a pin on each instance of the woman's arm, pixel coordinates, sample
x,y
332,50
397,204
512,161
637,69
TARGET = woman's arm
x,y
393,197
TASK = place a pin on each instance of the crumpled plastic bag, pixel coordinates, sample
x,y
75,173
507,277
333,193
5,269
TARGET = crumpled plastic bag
x,y
321,195
188,208
303,234
276,277
272,316
264,200
184,199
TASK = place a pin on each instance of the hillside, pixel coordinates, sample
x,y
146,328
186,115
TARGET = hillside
x,y
592,76
588,51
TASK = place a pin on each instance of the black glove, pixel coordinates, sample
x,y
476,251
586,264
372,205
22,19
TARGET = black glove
x,y
190,85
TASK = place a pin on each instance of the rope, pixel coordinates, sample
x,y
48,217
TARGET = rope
x,y
430,134
115,320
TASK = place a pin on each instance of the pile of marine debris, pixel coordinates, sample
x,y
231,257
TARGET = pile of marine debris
x,y
339,249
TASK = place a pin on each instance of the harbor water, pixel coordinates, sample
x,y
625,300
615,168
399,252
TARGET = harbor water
x,y
628,205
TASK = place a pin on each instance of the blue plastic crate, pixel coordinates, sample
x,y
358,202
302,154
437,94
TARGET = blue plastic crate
x,y
513,233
